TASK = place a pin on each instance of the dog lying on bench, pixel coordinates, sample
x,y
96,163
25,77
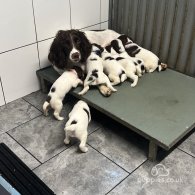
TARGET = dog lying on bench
x,y
77,124
95,75
69,79
151,61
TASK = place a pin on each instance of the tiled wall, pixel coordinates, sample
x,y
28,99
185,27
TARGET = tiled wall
x,y
27,30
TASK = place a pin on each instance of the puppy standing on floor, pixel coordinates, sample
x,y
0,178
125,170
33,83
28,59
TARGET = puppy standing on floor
x,y
60,88
95,74
77,124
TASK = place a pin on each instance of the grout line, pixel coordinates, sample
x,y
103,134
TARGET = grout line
x,y
24,123
109,158
55,155
32,105
23,147
3,91
36,33
70,14
117,184
186,152
17,48
127,176
92,25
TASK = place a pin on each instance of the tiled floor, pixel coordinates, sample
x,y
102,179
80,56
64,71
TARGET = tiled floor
x,y
116,162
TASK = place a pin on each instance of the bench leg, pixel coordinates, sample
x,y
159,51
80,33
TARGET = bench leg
x,y
43,85
152,151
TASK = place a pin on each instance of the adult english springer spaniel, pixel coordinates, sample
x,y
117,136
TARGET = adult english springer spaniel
x,y
73,47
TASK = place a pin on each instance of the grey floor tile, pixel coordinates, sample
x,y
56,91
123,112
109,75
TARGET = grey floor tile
x,y
72,172
36,99
189,145
172,176
16,113
27,158
119,146
43,137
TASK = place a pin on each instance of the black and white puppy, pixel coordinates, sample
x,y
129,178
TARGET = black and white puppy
x,y
116,73
94,67
77,124
151,61
68,80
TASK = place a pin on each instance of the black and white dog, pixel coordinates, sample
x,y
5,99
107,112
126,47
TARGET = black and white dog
x,y
70,78
151,61
94,67
73,47
77,124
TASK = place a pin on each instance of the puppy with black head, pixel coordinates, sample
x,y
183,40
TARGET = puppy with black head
x,y
68,80
77,124
151,61
94,68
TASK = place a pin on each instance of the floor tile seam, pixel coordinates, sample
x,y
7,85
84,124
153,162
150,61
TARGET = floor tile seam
x,y
185,152
127,176
24,148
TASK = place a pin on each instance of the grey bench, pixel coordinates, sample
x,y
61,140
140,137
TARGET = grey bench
x,y
160,108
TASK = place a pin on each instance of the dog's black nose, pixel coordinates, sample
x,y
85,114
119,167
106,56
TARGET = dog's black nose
x,y
75,56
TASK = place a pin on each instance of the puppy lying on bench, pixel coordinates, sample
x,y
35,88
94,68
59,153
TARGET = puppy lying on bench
x,y
77,124
95,74
151,61
116,73
60,88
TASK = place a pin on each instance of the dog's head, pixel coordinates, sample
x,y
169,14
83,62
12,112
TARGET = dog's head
x,y
71,46
117,45
97,49
125,39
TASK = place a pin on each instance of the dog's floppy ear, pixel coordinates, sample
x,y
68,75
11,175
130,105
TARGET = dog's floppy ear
x,y
124,39
56,55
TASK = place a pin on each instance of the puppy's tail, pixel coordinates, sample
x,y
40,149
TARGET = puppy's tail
x,y
123,76
161,66
46,105
70,127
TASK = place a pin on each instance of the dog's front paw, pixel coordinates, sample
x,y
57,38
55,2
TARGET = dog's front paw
x,y
83,148
66,141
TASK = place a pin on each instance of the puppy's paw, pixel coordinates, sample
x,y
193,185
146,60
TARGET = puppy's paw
x,y
66,141
133,84
60,118
105,91
83,148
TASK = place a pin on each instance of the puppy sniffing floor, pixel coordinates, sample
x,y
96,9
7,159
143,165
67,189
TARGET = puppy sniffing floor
x,y
77,124
68,80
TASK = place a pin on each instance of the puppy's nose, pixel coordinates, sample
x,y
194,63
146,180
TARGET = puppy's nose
x,y
75,56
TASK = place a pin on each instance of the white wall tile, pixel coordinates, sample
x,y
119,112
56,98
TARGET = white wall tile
x,y
1,97
18,72
51,16
104,25
85,13
104,10
17,24
95,27
44,51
